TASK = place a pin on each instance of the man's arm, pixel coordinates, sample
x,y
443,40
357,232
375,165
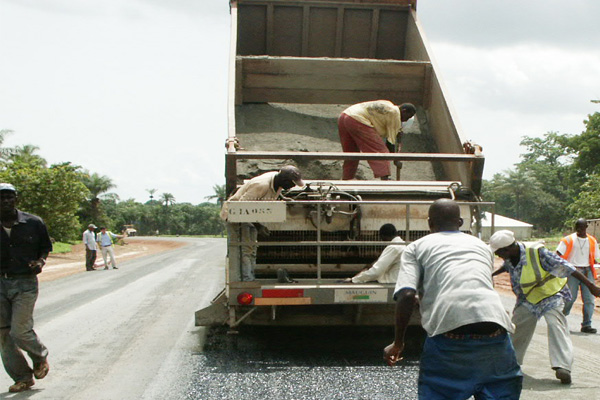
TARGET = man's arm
x,y
499,271
405,303
391,147
381,266
590,285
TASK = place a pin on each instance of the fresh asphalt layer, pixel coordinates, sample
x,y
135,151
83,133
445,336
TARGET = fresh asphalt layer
x,y
130,334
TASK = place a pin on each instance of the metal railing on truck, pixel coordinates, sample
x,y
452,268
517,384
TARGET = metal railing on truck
x,y
474,181
318,243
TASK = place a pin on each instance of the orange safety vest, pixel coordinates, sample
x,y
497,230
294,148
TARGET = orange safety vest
x,y
569,240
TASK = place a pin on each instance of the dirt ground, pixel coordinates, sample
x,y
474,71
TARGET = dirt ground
x,y
65,264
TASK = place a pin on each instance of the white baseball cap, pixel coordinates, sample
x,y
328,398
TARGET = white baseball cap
x,y
7,186
501,239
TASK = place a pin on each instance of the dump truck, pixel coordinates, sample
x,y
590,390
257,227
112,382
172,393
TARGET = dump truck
x,y
294,67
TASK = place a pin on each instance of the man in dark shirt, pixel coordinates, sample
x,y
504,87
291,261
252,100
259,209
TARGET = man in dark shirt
x,y
24,244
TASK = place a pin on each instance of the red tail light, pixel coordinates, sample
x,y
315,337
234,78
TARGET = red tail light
x,y
244,298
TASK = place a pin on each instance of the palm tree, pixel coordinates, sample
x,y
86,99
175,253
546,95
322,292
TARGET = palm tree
x,y
26,155
151,192
5,152
167,199
97,184
220,194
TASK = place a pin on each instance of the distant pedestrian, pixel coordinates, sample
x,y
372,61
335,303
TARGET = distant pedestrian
x,y
105,241
372,127
385,269
25,245
467,351
581,250
538,279
89,241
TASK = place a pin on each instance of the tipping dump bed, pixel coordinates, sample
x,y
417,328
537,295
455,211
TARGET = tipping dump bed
x,y
313,128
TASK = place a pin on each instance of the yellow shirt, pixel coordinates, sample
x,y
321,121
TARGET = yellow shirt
x,y
383,115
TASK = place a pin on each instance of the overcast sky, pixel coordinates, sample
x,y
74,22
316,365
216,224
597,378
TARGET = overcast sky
x,y
136,89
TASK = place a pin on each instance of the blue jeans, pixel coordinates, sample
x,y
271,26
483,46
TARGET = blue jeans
x,y
587,296
17,299
456,369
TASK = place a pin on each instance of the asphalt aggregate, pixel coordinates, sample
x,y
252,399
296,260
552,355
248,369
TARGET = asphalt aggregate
x,y
303,363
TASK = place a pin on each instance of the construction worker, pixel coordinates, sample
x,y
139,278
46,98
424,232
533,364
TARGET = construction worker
x,y
267,186
581,250
538,279
385,269
372,127
461,312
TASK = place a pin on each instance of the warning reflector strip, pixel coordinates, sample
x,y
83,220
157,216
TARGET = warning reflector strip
x,y
283,293
284,301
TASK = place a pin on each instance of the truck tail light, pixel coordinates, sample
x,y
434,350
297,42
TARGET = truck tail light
x,y
244,298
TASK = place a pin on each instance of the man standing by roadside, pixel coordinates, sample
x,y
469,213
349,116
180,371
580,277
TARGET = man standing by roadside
x,y
468,351
24,244
89,241
538,279
105,241
581,250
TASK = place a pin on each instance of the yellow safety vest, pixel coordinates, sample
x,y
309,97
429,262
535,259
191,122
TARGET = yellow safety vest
x,y
537,283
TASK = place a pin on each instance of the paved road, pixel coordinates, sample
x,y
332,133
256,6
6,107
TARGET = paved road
x,y
129,334
119,334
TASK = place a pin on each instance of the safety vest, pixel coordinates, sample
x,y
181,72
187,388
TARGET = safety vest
x,y
569,240
537,283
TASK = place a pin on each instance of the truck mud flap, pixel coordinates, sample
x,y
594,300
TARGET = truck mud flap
x,y
215,314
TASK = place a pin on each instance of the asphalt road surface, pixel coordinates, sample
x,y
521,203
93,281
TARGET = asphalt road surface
x,y
130,334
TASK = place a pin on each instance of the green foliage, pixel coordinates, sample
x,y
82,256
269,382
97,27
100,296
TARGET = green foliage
x,y
68,199
175,219
587,203
219,195
52,193
61,247
555,183
91,210
26,155
587,146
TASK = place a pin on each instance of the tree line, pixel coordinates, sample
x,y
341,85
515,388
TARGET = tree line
x,y
69,197
556,182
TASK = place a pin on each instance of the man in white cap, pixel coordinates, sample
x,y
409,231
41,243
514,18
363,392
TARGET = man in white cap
x,y
538,279
89,241
267,186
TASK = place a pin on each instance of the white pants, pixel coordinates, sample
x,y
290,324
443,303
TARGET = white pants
x,y
111,251
559,339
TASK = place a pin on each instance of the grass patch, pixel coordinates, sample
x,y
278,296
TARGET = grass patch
x,y
60,247
551,242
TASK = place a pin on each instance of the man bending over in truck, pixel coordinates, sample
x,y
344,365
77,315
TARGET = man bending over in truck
x,y
468,351
372,127
385,269
267,186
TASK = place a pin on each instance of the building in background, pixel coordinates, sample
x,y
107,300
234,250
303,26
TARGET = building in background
x,y
522,230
